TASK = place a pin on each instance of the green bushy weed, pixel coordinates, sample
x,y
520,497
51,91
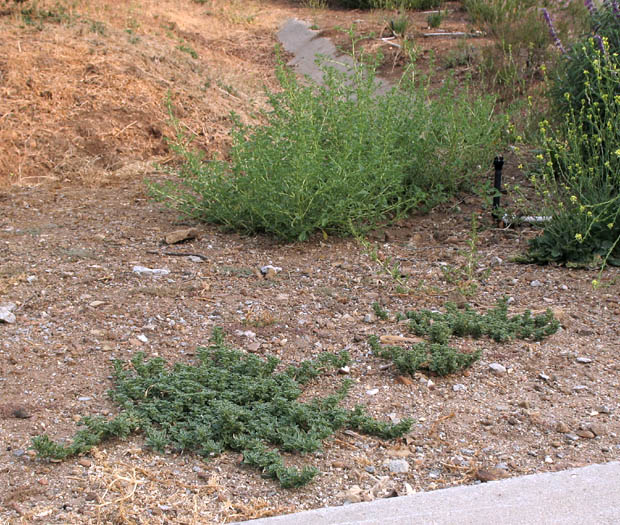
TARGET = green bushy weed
x,y
339,157
229,400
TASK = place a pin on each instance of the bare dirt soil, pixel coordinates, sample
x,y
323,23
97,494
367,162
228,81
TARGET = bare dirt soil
x,y
82,121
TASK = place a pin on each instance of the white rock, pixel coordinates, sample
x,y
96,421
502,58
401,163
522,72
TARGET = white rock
x,y
150,271
372,392
142,338
5,313
584,360
536,283
398,466
459,387
498,369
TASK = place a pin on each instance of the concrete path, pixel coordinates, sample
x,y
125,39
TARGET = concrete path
x,y
307,46
585,496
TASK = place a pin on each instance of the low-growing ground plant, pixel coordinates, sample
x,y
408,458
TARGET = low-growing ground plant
x,y
229,400
331,157
437,356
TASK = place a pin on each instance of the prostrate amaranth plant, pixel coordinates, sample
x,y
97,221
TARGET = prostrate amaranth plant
x,y
229,400
438,357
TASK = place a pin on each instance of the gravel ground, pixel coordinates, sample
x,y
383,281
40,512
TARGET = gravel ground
x,y
67,258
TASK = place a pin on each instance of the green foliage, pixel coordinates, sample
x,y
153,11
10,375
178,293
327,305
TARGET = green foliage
x,y
438,357
385,4
434,20
228,401
579,178
319,163
573,72
494,324
379,311
520,42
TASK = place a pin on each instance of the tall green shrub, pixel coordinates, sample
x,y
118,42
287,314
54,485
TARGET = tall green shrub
x,y
580,177
339,156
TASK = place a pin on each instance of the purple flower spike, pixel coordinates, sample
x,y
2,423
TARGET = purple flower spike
x,y
601,44
552,31
614,6
590,5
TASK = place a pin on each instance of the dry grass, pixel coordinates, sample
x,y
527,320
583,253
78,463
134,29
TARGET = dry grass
x,y
83,92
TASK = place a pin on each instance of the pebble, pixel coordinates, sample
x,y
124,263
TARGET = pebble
x,y
579,388
584,360
562,428
497,369
467,452
536,283
490,474
586,434
195,259
603,410
398,466
84,462
19,453
143,270
370,469
544,376
572,437
142,338
548,459
459,387
369,318
372,392
345,370
6,314
178,236
404,380
84,398
270,269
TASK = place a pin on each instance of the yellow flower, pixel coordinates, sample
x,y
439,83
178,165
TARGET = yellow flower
x,y
539,157
595,283
610,225
573,199
579,237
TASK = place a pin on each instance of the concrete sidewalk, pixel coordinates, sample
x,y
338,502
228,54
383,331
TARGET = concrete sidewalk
x,y
584,496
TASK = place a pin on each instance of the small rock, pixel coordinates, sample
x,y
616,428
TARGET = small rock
x,y
21,413
43,482
597,430
369,318
339,464
497,369
6,314
195,259
345,370
267,269
548,459
370,469
409,491
586,434
247,333
544,376
142,338
496,261
490,474
556,444
254,347
584,360
84,462
502,466
430,384
603,410
178,236
562,428
143,270
536,283
372,392
571,437
579,388
459,387
90,496
398,466
19,453
84,398
524,404
95,304
31,278
468,452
